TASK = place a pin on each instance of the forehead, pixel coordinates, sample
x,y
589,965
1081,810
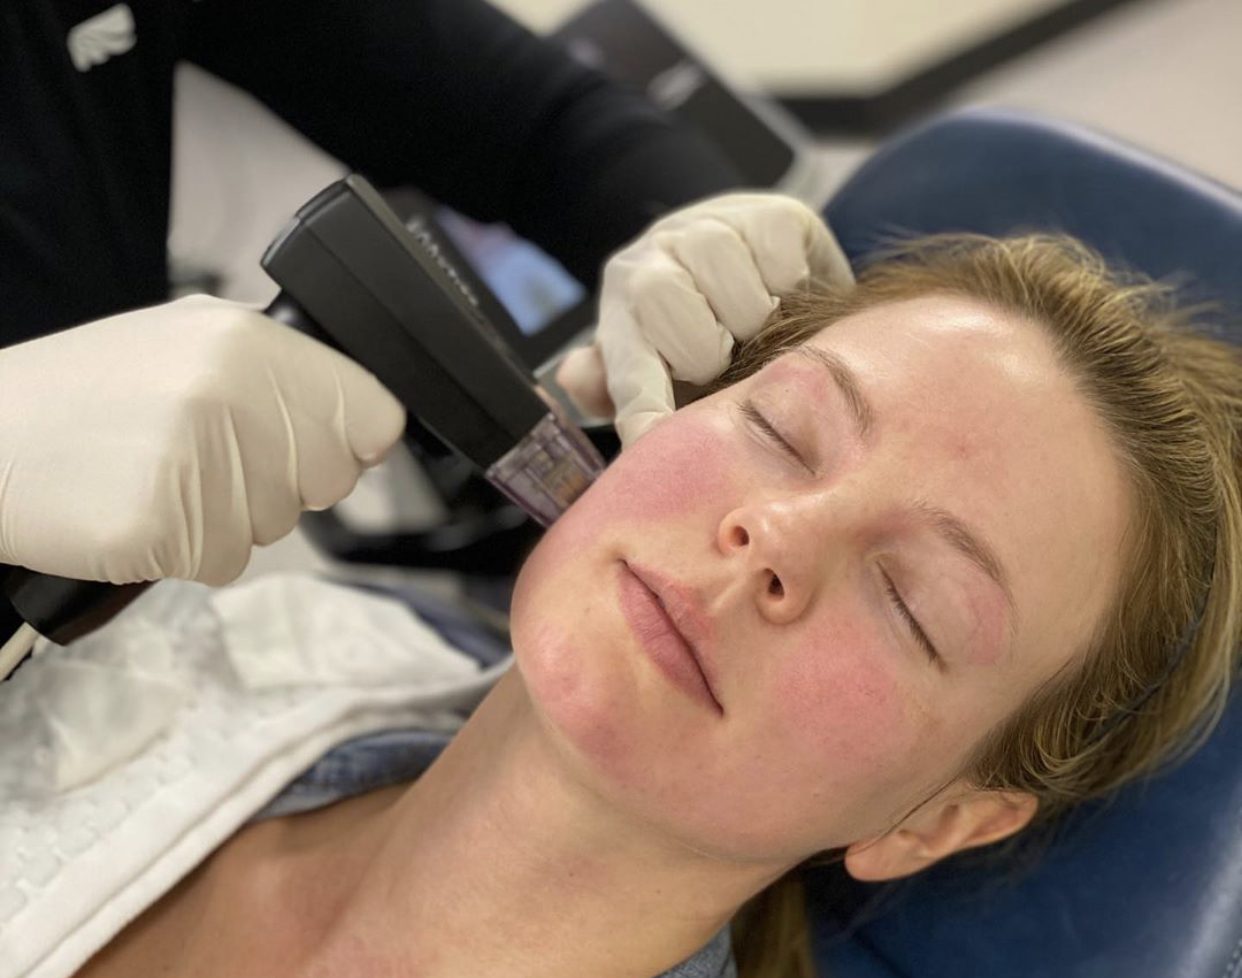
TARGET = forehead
x,y
975,415
920,337
976,378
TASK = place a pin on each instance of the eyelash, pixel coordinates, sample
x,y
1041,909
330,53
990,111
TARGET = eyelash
x,y
919,635
754,416
757,419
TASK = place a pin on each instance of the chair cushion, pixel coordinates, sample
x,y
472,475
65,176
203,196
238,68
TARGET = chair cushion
x,y
1149,884
996,172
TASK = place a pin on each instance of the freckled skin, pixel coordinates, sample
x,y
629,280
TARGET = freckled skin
x,y
826,706
670,487
654,488
836,722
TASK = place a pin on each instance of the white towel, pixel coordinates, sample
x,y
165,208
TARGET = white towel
x,y
129,756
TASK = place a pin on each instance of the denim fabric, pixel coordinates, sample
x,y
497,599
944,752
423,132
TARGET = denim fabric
x,y
392,756
358,766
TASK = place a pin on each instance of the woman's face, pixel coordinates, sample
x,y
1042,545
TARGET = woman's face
x,y
929,452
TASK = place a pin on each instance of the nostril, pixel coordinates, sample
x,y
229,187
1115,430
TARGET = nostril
x,y
740,537
775,587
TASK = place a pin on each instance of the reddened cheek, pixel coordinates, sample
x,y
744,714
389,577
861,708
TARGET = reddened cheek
x,y
669,473
842,699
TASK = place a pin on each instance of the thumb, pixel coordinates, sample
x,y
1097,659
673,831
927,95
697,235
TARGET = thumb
x,y
374,418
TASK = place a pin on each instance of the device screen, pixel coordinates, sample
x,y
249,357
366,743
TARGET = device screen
x,y
533,286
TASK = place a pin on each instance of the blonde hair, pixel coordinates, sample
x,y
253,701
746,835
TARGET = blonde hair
x,y
1155,675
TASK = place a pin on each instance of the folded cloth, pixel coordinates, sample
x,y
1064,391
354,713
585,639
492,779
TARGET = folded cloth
x,y
132,754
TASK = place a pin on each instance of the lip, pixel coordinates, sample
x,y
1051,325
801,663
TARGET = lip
x,y
670,627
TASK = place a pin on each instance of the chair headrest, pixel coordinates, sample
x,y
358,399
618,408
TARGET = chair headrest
x,y
1148,885
998,172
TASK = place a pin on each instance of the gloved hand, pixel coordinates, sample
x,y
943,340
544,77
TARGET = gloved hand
x,y
674,301
168,441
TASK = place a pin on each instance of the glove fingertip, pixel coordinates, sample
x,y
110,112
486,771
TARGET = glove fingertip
x,y
632,428
379,424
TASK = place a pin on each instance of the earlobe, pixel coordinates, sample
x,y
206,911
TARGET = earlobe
x,y
977,818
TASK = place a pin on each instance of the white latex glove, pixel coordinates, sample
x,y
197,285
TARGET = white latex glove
x,y
167,442
675,300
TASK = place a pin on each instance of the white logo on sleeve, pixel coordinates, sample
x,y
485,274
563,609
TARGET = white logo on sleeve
x,y
96,40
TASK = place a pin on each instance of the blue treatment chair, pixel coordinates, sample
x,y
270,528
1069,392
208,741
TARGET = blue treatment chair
x,y
1148,885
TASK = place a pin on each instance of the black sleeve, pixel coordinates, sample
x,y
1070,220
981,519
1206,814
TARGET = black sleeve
x,y
457,99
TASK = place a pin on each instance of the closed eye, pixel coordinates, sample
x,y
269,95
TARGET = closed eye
x,y
757,419
916,629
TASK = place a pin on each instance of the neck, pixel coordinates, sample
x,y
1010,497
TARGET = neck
x,y
497,861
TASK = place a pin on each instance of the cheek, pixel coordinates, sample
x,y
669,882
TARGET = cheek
x,y
650,484
844,708
568,637
670,472
667,476
847,730
838,750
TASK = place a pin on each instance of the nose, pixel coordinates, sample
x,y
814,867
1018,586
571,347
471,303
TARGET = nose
x,y
781,547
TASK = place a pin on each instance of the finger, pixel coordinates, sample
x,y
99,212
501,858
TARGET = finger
x,y
216,505
634,426
778,232
335,413
724,271
581,375
276,436
675,318
327,464
374,418
638,379
826,258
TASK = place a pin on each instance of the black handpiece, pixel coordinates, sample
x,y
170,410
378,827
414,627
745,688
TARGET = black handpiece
x,y
387,296
391,299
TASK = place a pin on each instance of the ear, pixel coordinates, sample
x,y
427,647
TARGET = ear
x,y
961,819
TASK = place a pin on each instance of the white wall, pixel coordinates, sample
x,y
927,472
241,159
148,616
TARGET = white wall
x,y
239,174
794,46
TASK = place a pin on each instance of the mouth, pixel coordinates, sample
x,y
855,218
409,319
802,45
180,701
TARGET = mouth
x,y
663,617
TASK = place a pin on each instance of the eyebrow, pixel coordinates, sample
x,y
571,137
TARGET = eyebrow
x,y
974,546
845,379
971,544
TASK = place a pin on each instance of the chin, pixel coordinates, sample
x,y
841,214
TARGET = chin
x,y
612,733
578,687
